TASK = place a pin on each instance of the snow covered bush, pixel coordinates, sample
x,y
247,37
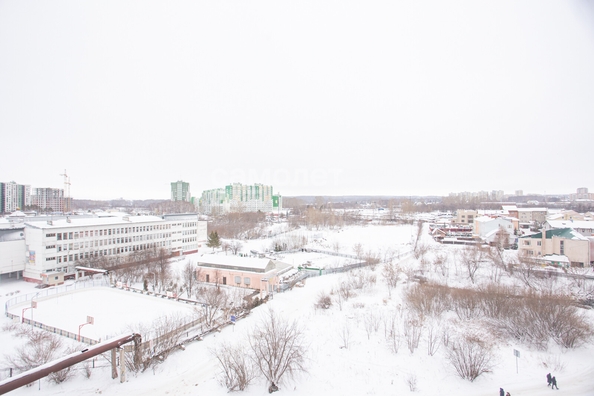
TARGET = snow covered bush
x,y
40,347
278,348
324,301
471,355
237,368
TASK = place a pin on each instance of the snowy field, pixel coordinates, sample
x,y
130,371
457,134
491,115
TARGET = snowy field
x,y
367,366
115,311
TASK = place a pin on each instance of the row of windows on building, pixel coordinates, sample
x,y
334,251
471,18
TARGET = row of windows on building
x,y
246,280
106,232
106,242
104,252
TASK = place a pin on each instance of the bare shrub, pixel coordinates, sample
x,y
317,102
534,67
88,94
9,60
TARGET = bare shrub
x,y
278,348
446,336
428,299
87,371
466,303
440,263
420,251
538,318
40,348
237,368
361,279
471,356
61,376
553,363
345,291
496,300
372,259
324,301
391,273
392,331
371,323
472,258
344,334
433,340
413,330
411,381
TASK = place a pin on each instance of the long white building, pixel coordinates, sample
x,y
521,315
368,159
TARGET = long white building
x,y
56,245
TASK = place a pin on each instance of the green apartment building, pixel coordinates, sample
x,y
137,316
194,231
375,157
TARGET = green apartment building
x,y
237,197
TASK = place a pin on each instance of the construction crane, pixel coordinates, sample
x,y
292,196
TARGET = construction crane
x,y
66,191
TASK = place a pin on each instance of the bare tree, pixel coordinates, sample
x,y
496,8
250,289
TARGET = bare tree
x,y
391,273
358,250
215,299
472,257
40,347
237,368
189,277
471,356
417,237
236,247
161,337
525,269
278,348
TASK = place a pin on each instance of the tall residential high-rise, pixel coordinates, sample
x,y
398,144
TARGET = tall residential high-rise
x,y
14,196
180,191
49,199
237,197
582,194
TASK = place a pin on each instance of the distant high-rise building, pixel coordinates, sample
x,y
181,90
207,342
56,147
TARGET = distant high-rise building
x,y
581,194
180,191
237,197
14,196
48,199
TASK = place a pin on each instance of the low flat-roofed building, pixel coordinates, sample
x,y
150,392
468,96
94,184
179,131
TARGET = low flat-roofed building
x,y
250,272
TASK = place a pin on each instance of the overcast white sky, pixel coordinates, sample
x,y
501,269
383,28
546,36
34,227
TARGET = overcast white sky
x,y
314,97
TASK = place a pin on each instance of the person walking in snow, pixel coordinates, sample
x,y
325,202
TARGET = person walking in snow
x,y
501,392
554,383
507,394
549,379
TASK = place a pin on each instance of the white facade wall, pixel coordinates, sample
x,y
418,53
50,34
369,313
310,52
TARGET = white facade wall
x,y
55,246
12,257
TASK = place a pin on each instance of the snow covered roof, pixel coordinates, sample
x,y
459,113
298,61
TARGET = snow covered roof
x,y
567,233
571,224
555,257
75,221
17,213
252,264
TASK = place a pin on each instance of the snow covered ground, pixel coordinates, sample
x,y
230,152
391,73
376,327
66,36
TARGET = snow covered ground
x,y
114,311
367,366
